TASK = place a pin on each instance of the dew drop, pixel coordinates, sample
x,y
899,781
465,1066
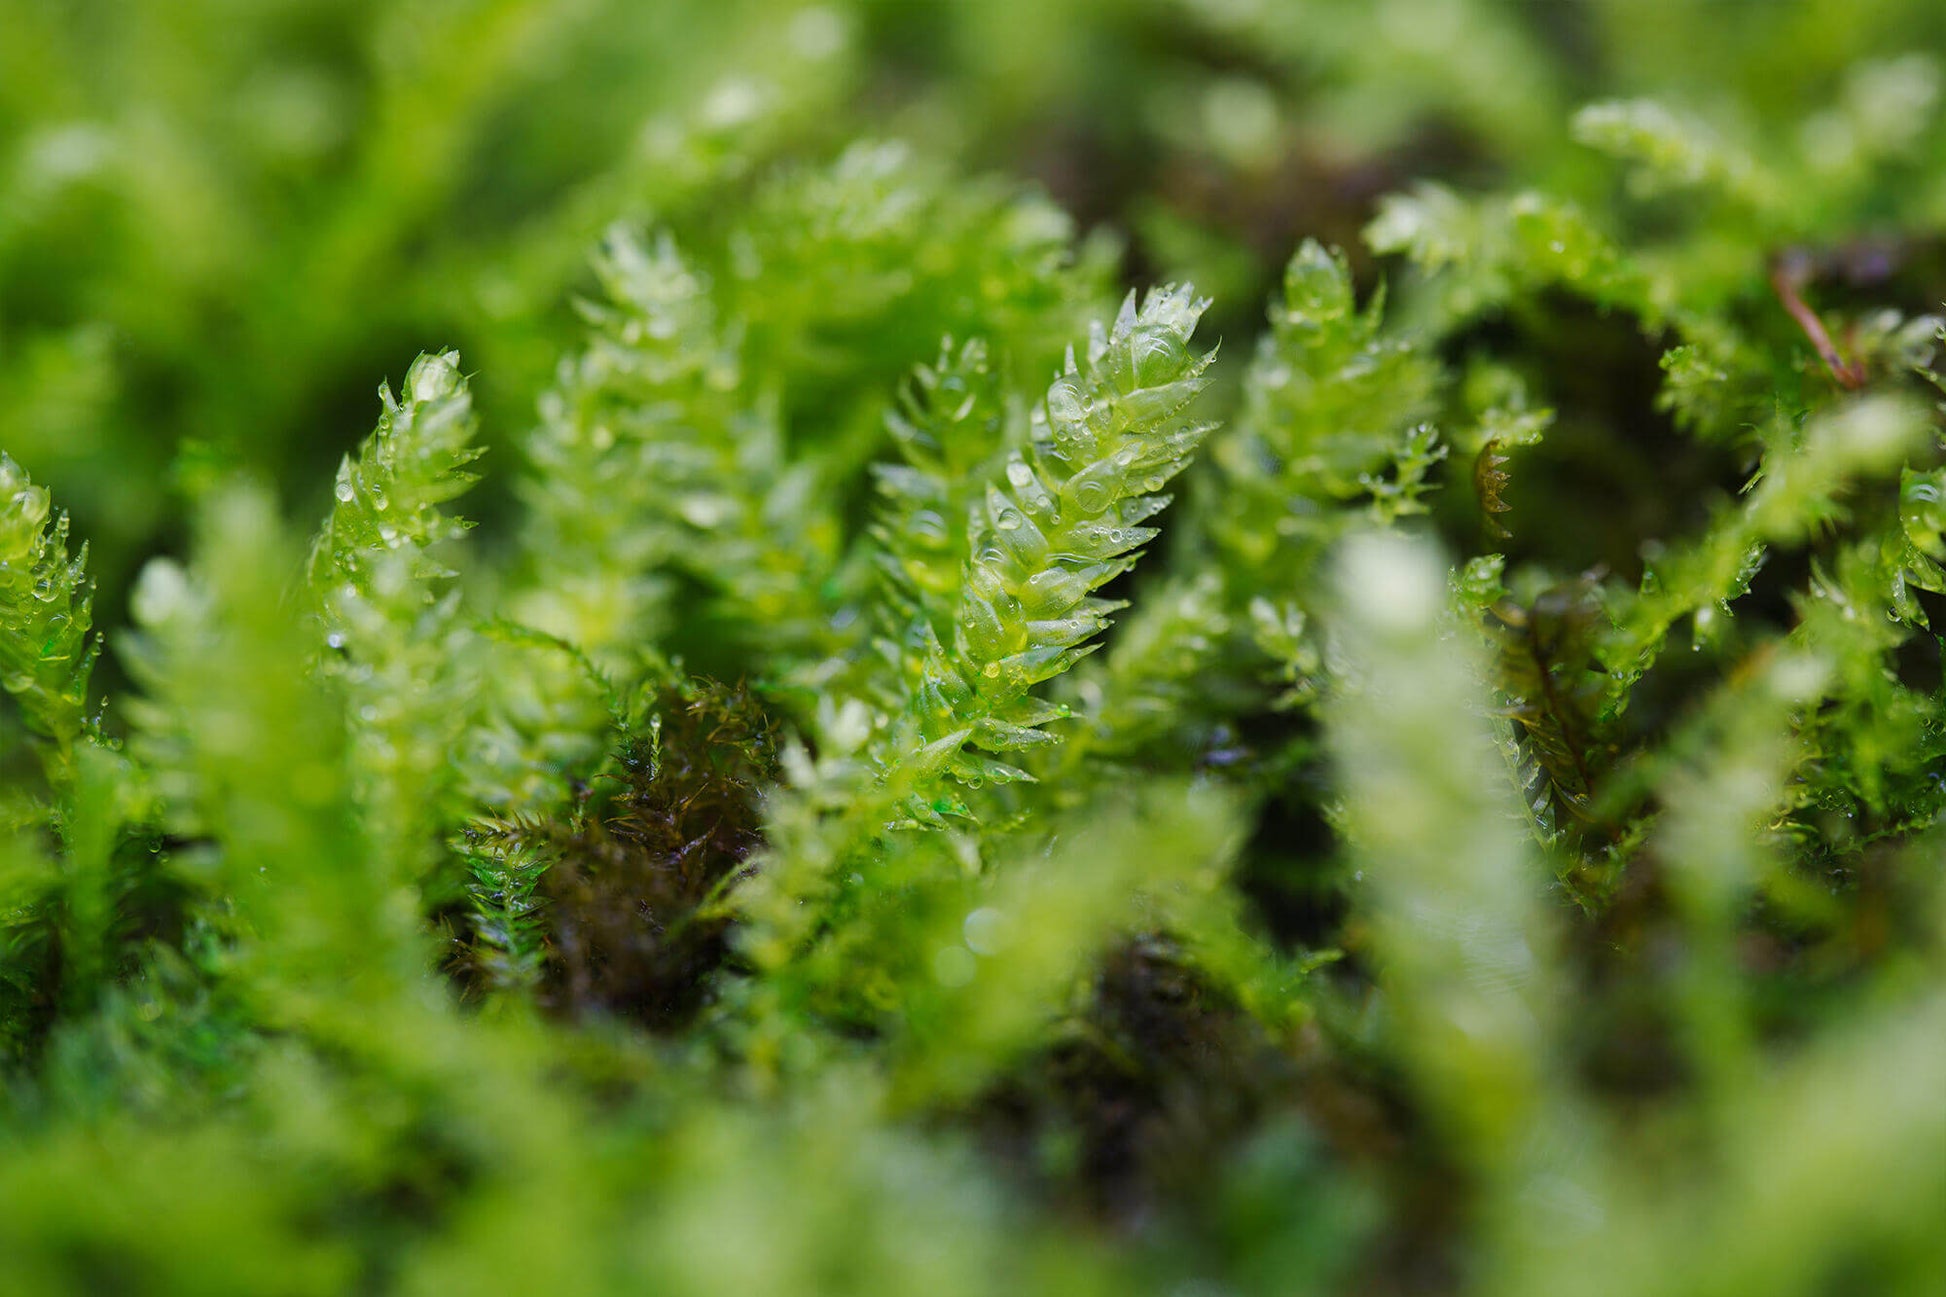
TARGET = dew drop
x,y
1092,497
1066,406
1156,355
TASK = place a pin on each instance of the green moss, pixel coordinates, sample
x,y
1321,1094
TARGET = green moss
x,y
921,780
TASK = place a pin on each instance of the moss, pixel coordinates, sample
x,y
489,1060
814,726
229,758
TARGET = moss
x,y
1408,767
629,928
1158,1079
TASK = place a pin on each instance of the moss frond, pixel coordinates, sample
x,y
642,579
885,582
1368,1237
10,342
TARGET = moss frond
x,y
47,644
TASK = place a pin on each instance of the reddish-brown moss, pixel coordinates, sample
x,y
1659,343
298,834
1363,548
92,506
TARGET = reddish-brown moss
x,y
628,873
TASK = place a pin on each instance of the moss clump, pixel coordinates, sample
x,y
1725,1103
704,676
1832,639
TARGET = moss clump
x,y
1411,766
631,874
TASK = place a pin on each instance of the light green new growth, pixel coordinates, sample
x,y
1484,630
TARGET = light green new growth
x,y
1061,517
1061,521
1329,397
702,439
1332,413
636,449
388,500
950,421
47,653
1799,491
47,648
393,635
1480,254
1671,152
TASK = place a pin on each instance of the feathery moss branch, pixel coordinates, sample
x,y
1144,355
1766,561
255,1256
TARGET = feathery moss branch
x,y
47,648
